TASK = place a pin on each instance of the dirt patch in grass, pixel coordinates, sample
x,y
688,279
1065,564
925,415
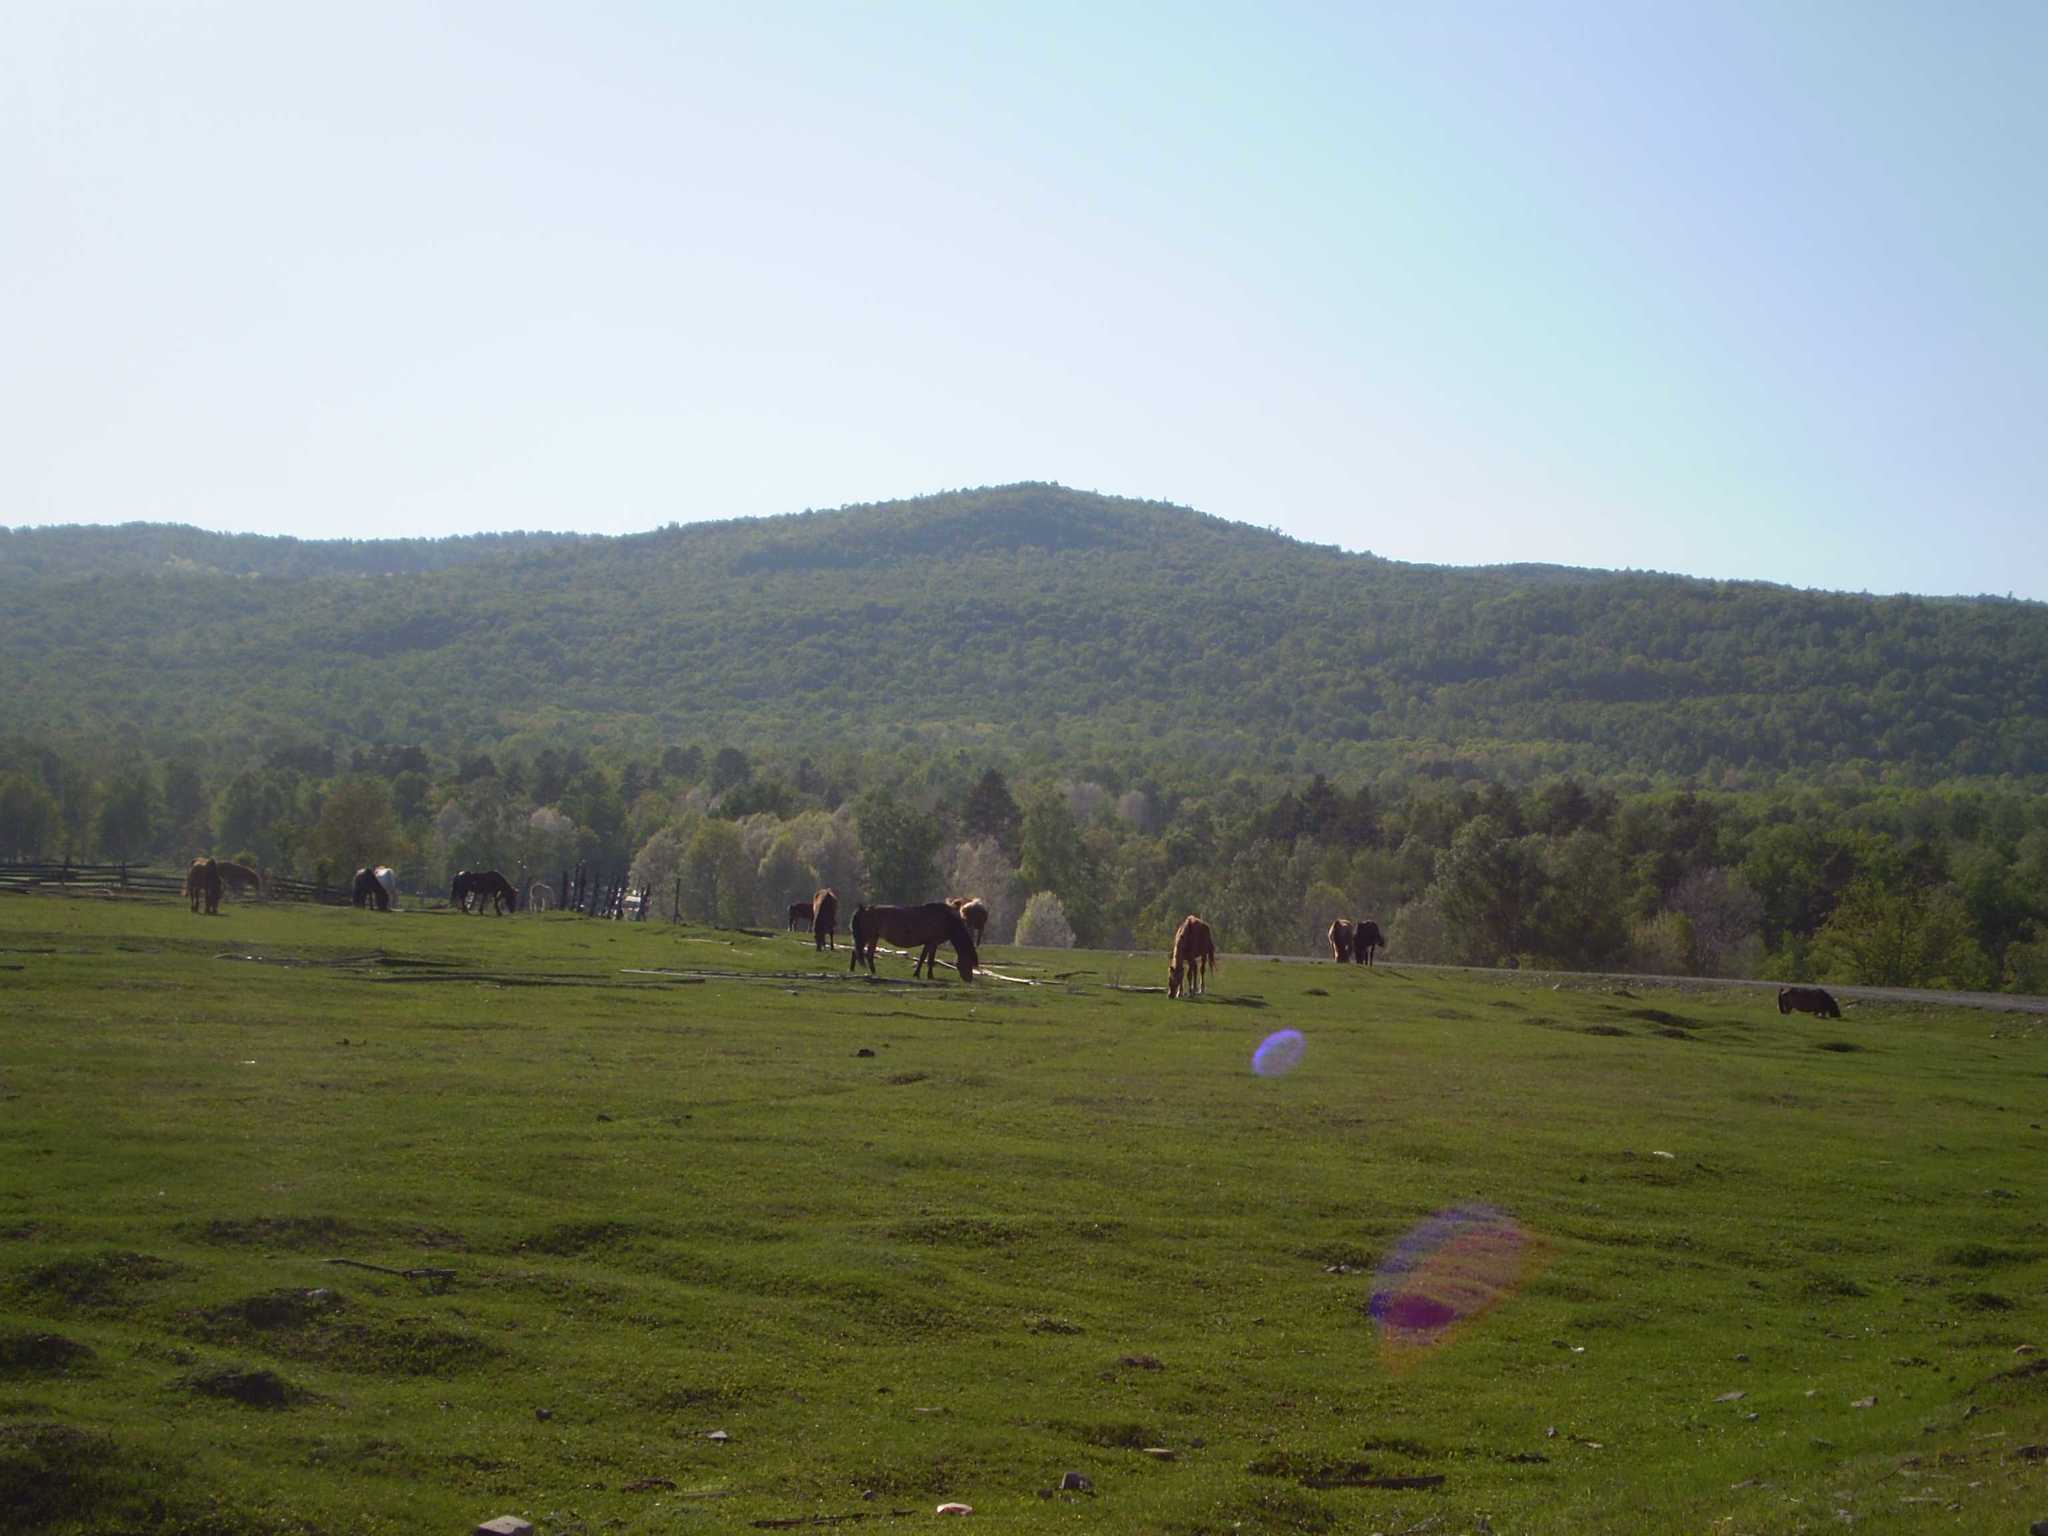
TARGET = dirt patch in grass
x,y
1837,1045
956,1232
1659,1016
40,1354
1673,1032
1055,1325
316,1327
251,1388
1111,1437
574,1238
51,1471
301,1234
1267,1508
273,1309
1610,1030
1978,1256
1984,1301
1832,1285
90,1282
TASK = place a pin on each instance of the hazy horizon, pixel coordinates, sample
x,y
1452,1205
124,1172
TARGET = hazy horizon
x,y
1736,294
1477,564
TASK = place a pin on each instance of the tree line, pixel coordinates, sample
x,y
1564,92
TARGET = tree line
x,y
1845,878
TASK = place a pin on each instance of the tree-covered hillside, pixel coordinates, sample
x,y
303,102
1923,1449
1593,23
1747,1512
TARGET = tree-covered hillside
x,y
1046,622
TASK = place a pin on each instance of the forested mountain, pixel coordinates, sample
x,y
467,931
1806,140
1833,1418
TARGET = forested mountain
x,y
1033,620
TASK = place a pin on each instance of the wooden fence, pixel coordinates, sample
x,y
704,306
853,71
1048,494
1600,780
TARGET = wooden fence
x,y
144,879
581,890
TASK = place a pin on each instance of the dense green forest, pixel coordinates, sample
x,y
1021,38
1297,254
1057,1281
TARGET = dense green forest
x,y
1099,715
1045,626
1938,886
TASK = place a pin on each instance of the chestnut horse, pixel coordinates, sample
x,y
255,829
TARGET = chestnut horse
x,y
800,916
1366,938
1817,1001
482,885
1194,956
973,912
1340,940
825,919
929,925
203,884
240,879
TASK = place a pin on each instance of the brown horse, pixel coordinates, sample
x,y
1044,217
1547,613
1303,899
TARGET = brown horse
x,y
1340,940
203,884
800,916
483,886
1817,1001
1194,956
240,879
973,912
929,925
1366,938
825,919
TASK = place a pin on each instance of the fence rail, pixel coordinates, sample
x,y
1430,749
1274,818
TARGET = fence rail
x,y
145,879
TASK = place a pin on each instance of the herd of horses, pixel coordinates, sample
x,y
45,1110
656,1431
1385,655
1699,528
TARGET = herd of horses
x,y
207,880
1355,941
960,922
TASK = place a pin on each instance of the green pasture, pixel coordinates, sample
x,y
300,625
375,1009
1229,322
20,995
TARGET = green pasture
x,y
660,1190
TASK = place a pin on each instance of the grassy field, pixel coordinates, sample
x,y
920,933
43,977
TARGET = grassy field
x,y
697,1261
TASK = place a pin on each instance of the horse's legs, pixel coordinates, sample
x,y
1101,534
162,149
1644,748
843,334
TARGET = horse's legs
x,y
929,960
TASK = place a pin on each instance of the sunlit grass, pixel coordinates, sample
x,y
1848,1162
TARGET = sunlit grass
x,y
1039,1230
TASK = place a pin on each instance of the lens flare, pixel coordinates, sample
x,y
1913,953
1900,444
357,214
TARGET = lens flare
x,y
1445,1273
1279,1052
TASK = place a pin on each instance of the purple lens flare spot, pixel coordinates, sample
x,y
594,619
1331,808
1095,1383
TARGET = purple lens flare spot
x,y
1447,1272
1279,1052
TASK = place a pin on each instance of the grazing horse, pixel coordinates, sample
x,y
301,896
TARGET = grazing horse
x,y
240,878
203,884
928,925
800,915
540,896
825,919
373,888
1194,956
1340,940
973,912
1366,938
1817,1001
482,885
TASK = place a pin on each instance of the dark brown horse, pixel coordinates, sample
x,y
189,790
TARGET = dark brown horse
x,y
800,915
1194,956
1366,938
240,879
825,919
370,890
480,886
203,884
973,912
1817,1001
1340,940
928,926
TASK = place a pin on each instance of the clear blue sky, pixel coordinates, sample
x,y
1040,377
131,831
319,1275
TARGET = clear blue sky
x,y
1746,291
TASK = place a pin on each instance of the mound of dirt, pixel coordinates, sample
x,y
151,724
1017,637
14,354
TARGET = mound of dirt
x,y
251,1388
39,1354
